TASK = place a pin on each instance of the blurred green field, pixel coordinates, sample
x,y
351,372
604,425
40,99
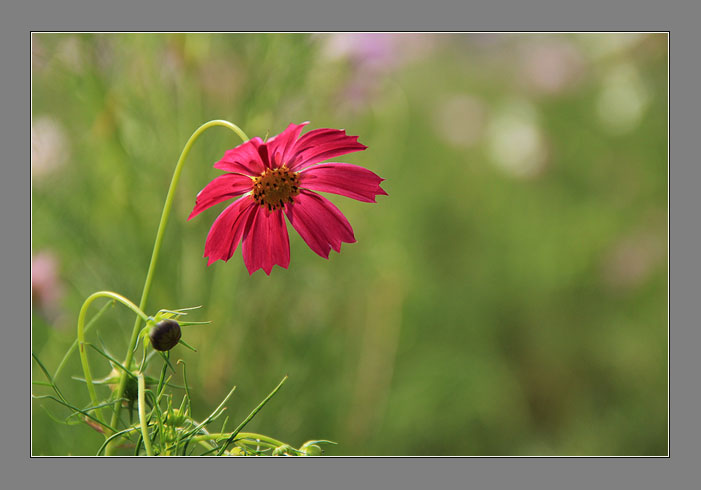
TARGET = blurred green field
x,y
509,296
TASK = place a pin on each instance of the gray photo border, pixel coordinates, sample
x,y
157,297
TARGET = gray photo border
x,y
20,471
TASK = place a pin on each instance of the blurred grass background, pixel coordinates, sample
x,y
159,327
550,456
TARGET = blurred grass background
x,y
507,298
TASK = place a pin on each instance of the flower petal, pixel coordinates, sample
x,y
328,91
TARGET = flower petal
x,y
280,147
227,230
220,189
321,144
266,242
244,159
344,179
320,224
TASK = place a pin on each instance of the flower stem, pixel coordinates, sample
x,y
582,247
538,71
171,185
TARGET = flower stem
x,y
250,436
81,341
156,250
142,415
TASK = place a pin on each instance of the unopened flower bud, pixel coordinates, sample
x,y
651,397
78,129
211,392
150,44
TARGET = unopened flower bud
x,y
131,388
165,335
237,451
311,449
175,418
283,450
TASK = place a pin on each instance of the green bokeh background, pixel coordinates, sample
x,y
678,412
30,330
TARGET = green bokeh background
x,y
509,296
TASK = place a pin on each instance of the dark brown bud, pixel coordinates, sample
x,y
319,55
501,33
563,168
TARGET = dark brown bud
x,y
165,335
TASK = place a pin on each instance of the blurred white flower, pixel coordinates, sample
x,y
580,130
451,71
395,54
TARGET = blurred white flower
x,y
551,65
70,53
460,120
49,146
515,142
623,99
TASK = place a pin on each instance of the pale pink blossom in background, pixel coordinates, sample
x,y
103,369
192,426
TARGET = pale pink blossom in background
x,y
632,260
372,58
377,51
47,287
551,66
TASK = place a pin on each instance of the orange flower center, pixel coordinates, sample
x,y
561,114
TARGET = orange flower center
x,y
274,187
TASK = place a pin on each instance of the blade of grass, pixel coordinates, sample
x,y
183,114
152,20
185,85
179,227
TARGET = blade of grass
x,y
114,436
112,359
76,409
250,416
48,376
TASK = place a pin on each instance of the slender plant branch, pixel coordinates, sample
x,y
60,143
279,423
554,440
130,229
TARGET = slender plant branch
x,y
74,345
156,251
81,342
142,414
251,436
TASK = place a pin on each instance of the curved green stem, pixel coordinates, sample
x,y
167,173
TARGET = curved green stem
x,y
142,414
81,340
74,345
156,250
252,436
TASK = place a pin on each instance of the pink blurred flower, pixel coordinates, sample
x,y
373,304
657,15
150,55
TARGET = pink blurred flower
x,y
47,289
280,175
371,58
365,50
551,66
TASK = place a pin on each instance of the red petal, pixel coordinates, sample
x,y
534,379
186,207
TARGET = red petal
x,y
344,179
267,242
227,230
321,144
220,189
320,224
244,159
263,153
280,147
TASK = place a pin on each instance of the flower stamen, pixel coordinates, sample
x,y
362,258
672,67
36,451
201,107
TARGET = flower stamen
x,y
274,187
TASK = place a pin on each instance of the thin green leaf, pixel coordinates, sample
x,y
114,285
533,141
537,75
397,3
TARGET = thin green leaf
x,y
161,379
250,416
167,360
187,388
112,360
48,376
181,341
190,308
76,409
114,436
216,413
187,324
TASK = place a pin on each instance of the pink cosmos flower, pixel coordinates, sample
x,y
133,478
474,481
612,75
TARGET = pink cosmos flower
x,y
278,176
